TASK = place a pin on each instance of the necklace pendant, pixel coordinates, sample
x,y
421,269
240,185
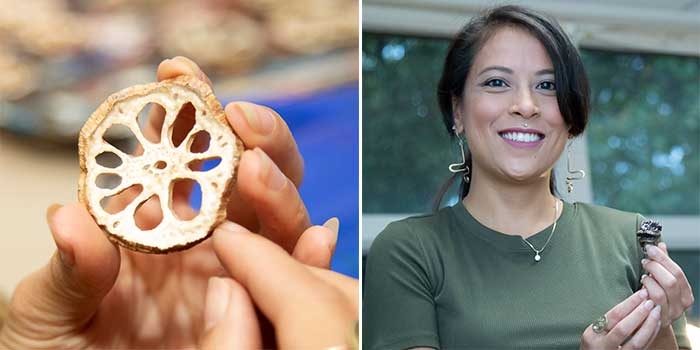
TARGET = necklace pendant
x,y
538,257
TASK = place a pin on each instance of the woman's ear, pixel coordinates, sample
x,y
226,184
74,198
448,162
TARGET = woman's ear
x,y
457,115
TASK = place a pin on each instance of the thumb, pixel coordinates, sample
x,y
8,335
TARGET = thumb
x,y
64,294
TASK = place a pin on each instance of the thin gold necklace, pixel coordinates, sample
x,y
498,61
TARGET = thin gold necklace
x,y
554,227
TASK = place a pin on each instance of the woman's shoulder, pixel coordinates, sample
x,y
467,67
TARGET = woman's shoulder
x,y
414,230
614,224
606,215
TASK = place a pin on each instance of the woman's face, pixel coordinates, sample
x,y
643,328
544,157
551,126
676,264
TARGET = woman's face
x,y
509,110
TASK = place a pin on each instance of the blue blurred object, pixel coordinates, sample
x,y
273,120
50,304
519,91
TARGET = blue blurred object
x,y
325,126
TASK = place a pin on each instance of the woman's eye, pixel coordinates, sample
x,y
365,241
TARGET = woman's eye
x,y
495,83
547,85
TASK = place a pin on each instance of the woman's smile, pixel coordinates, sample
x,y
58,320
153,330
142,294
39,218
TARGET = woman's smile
x,y
522,138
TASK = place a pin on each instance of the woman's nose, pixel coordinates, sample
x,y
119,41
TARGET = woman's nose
x,y
525,106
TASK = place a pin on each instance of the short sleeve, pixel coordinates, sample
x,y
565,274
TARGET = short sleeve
x,y
398,305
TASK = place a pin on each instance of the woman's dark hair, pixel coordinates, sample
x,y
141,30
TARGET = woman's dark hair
x,y
573,91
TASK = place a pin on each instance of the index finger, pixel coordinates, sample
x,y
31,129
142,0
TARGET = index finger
x,y
623,309
306,312
278,284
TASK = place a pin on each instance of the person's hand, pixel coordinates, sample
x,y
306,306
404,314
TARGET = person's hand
x,y
632,324
92,294
666,283
309,308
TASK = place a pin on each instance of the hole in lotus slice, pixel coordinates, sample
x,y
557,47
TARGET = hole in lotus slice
x,y
108,180
148,214
184,122
126,142
204,164
117,202
185,198
199,142
160,165
151,128
108,160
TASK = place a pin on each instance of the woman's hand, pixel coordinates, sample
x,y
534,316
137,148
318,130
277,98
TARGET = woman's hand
x,y
309,308
632,324
92,294
666,283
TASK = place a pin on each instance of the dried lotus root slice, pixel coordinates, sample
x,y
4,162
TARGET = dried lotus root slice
x,y
159,165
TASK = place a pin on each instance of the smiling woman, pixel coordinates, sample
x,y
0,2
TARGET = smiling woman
x,y
514,87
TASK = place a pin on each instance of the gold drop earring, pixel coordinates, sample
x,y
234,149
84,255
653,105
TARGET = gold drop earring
x,y
462,166
574,175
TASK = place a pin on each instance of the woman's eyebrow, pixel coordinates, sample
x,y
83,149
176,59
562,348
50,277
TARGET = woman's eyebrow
x,y
507,70
545,71
498,68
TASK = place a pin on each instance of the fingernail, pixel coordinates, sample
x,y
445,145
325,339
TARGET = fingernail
x,y
272,177
332,224
216,302
51,210
643,293
652,250
260,119
642,278
648,304
231,228
644,262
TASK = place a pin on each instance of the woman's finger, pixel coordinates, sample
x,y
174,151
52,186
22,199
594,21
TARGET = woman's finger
x,y
305,311
658,295
346,285
686,293
229,316
623,309
626,327
260,126
316,245
64,295
668,282
647,332
262,186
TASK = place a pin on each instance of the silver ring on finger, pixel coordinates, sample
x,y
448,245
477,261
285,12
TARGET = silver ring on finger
x,y
599,325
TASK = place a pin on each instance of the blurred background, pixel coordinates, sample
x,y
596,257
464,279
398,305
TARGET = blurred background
x,y
61,58
641,150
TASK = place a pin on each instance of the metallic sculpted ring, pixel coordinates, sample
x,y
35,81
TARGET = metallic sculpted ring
x,y
599,325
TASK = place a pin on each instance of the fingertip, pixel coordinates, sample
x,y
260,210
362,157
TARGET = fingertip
x,y
77,233
180,65
252,120
224,234
315,247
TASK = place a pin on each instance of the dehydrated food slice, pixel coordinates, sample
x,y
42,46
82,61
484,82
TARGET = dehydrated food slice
x,y
649,233
145,179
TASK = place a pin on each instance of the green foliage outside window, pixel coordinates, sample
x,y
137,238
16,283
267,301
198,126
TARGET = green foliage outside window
x,y
644,133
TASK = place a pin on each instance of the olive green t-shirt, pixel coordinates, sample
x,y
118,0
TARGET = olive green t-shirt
x,y
446,281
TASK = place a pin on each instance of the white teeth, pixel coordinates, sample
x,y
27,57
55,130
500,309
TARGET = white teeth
x,y
521,136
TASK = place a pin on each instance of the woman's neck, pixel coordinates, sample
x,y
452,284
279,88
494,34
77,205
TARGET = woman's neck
x,y
510,208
